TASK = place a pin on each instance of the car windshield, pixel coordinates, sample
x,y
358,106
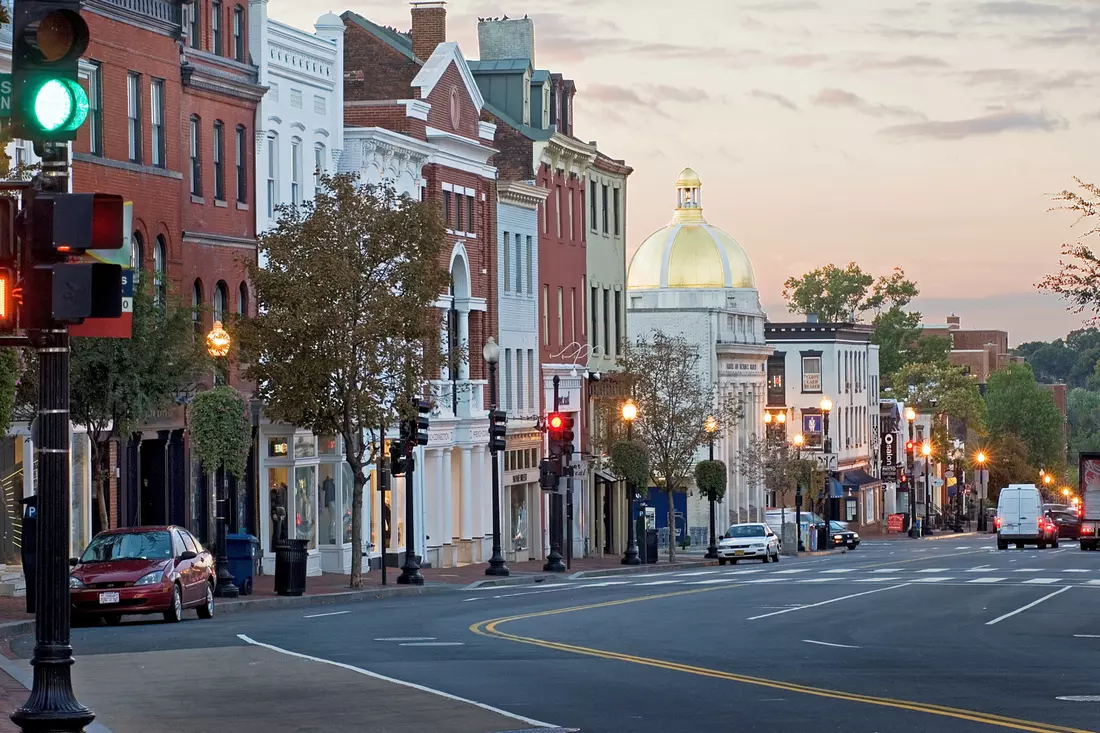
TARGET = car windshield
x,y
129,546
747,530
837,527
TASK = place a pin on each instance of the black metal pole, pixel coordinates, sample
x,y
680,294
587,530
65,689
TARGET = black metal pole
x,y
712,548
410,569
927,499
554,562
52,707
385,483
824,537
224,587
497,567
910,469
630,557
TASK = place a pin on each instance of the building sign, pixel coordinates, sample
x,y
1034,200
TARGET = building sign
x,y
811,423
895,523
511,478
889,451
777,381
740,366
278,447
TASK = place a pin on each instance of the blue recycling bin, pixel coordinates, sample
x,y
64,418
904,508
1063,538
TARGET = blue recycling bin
x,y
240,551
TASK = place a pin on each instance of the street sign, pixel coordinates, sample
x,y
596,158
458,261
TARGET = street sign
x,y
889,451
5,95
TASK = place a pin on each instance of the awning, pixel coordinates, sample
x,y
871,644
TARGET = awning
x,y
857,478
603,475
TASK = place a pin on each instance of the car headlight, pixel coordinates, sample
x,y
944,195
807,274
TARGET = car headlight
x,y
151,578
855,536
837,537
75,583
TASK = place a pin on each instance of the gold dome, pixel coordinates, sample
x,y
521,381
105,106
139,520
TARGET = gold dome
x,y
689,252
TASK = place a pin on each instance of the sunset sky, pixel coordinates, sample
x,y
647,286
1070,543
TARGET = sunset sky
x,y
926,135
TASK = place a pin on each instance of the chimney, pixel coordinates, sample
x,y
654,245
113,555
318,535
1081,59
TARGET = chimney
x,y
429,27
509,39
953,322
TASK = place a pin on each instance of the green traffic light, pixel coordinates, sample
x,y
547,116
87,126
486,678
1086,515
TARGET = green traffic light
x,y
58,105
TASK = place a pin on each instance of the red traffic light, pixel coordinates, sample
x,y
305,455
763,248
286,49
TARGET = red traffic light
x,y
909,445
7,300
556,420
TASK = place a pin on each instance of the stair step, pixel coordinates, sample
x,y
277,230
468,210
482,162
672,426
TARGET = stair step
x,y
13,590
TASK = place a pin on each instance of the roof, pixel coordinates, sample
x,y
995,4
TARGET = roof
x,y
499,65
399,41
539,76
437,64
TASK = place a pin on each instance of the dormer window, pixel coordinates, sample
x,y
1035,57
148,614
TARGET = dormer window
x,y
526,99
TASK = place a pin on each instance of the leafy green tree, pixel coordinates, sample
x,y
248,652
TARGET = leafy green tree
x,y
1007,463
943,390
1019,406
220,430
674,400
630,462
839,295
116,384
347,331
1054,362
1083,422
710,479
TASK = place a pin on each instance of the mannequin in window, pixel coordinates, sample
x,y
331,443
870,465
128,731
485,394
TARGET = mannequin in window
x,y
278,515
328,503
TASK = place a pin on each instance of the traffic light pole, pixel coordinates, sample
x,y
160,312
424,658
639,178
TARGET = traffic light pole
x,y
553,560
410,569
52,707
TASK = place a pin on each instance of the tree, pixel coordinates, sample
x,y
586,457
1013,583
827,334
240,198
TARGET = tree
x,y
1054,362
347,332
221,430
1078,280
630,462
116,384
674,400
898,335
1019,406
838,295
944,390
710,479
1008,463
1083,421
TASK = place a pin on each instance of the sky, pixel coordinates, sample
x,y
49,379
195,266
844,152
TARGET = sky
x,y
892,133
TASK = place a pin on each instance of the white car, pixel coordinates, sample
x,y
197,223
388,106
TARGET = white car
x,y
751,540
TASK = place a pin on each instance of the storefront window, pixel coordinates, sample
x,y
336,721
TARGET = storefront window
x,y
304,446
520,540
305,505
347,486
277,482
79,491
278,447
330,510
327,445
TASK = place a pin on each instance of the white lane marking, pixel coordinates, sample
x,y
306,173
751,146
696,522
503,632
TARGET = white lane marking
x,y
544,590
825,603
610,582
765,580
744,572
713,581
1093,582
841,570
666,582
1086,636
874,580
825,643
697,572
1021,609
1075,570
938,579
962,547
407,638
791,572
932,570
1028,570
981,569
434,643
818,580
403,683
330,613
1079,698
1040,581
987,580
887,570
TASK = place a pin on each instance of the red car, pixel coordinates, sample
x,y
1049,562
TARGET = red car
x,y
141,570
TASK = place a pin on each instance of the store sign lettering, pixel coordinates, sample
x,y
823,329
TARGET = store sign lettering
x,y
732,366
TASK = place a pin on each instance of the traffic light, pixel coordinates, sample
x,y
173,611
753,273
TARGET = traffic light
x,y
60,225
910,448
548,477
9,264
555,427
567,435
498,426
406,430
423,408
398,461
48,38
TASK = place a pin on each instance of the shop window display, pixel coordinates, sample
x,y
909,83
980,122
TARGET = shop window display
x,y
305,503
330,509
347,485
520,540
277,482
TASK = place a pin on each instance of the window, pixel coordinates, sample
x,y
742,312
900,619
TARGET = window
x,y
216,27
530,265
532,365
592,205
95,110
606,316
447,208
137,255
318,164
296,171
584,305
196,306
519,268
160,271
561,316
219,160
506,387
545,221
242,300
238,33
221,300
459,227
557,208
242,165
196,157
193,16
594,310
572,314
470,223
272,174
603,208
570,229
545,314
156,104
507,262
811,374
618,322
133,114
615,210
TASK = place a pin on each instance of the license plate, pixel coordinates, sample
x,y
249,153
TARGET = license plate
x,y
108,598
739,552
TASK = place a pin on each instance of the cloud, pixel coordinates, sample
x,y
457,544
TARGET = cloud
x,y
991,124
902,62
614,94
774,97
841,99
651,97
802,60
783,6
1025,8
889,31
1073,35
1093,117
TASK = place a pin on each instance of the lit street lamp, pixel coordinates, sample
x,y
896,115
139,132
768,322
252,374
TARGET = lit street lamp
x,y
981,458
926,451
630,557
217,345
798,440
497,566
910,417
826,406
711,426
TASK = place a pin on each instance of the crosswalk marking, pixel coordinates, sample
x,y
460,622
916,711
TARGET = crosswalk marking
x,y
791,572
1093,582
1075,570
874,580
766,580
1041,581
932,570
661,582
987,580
981,569
841,570
1028,570
887,570
939,579
712,581
698,572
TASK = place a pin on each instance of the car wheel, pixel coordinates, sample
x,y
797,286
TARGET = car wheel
x,y
734,561
1019,545
1055,543
721,561
775,557
1041,546
113,619
767,558
206,610
175,612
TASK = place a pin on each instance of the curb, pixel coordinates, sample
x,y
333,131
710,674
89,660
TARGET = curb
x,y
329,599
512,580
24,676
822,553
11,629
637,569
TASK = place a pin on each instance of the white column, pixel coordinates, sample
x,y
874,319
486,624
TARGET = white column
x,y
464,341
437,502
482,493
446,485
465,530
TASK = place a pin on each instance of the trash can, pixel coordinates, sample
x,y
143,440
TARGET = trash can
x,y
290,567
651,547
29,548
240,552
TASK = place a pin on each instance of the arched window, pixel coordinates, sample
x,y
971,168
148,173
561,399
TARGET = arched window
x,y
221,300
160,270
137,256
238,33
196,306
242,300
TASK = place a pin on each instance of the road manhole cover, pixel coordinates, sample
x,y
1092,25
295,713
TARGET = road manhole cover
x,y
1080,698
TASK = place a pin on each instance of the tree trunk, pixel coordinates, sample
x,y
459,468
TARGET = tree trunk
x,y
671,528
99,479
356,580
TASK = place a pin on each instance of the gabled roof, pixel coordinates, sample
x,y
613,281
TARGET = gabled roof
x,y
401,42
531,133
437,64
539,76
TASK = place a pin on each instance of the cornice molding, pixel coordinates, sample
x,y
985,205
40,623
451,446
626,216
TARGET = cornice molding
x,y
219,240
521,194
207,79
159,16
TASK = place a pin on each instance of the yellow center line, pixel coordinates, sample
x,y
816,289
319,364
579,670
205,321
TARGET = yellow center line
x,y
491,628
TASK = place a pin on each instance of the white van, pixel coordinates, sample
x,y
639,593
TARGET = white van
x,y
1020,517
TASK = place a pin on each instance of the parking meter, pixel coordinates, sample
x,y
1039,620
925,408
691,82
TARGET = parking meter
x,y
29,548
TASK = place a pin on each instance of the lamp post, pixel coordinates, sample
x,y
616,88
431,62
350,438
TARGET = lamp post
x,y
711,426
798,440
926,451
497,567
1047,481
910,416
826,406
217,345
630,556
981,458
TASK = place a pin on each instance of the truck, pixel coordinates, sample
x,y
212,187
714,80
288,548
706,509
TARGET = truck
x,y
1089,530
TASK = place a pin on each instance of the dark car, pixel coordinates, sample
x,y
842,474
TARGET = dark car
x,y
142,570
841,536
1067,522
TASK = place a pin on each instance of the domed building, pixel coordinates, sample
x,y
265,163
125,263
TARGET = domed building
x,y
693,279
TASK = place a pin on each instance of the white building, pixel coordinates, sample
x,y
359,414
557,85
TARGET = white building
x,y
833,368
693,279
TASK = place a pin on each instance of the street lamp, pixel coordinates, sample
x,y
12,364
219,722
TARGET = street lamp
x,y
826,406
798,440
217,345
497,567
981,458
711,426
926,451
910,416
630,556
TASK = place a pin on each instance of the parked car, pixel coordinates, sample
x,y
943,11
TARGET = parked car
x,y
751,540
841,536
142,570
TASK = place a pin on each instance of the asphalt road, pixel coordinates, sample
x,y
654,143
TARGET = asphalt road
x,y
902,636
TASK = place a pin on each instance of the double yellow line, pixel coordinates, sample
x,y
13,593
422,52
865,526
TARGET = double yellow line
x,y
491,628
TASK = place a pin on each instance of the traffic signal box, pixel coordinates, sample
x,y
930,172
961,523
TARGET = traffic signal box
x,y
420,424
498,428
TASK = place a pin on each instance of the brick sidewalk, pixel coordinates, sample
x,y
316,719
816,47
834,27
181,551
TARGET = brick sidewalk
x,y
12,693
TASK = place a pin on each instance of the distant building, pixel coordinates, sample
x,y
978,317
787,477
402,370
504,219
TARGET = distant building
x,y
979,352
